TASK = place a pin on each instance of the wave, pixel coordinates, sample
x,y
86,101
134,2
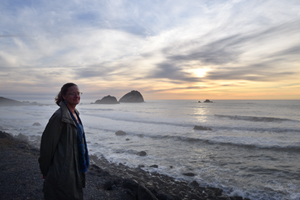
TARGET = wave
x,y
273,147
255,119
250,146
192,126
142,121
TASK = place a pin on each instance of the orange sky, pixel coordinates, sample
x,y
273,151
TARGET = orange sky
x,y
167,50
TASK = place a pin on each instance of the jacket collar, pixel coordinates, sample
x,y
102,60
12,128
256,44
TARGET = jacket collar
x,y
66,116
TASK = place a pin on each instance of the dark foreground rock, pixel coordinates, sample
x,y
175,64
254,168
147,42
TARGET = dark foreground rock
x,y
20,178
107,100
132,97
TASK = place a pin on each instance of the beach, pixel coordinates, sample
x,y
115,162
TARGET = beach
x,y
21,179
178,149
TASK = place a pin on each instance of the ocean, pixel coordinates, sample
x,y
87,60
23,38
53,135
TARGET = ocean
x,y
251,147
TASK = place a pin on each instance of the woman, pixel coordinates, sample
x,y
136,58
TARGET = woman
x,y
63,153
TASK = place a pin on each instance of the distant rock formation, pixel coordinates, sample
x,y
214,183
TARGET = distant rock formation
x,y
142,153
10,102
36,124
202,128
107,100
120,133
132,97
208,101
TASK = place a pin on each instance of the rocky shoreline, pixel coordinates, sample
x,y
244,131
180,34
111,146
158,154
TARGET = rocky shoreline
x,y
20,178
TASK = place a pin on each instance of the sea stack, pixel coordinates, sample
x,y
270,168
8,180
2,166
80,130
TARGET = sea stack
x,y
132,97
9,102
207,101
107,100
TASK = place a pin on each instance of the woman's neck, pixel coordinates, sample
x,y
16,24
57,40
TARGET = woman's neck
x,y
71,108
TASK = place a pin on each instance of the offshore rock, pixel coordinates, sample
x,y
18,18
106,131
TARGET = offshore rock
x,y
189,174
142,153
9,102
120,133
202,128
36,124
107,100
132,97
208,101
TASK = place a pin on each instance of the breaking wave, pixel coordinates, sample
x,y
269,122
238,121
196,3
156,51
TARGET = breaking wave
x,y
255,119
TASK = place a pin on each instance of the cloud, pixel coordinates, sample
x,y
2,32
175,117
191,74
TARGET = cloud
x,y
172,72
146,43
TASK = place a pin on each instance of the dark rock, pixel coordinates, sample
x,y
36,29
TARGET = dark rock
x,y
236,198
127,139
223,198
132,97
130,184
145,194
142,153
199,101
202,128
107,100
23,146
189,174
5,135
22,137
120,133
162,196
154,166
36,124
193,184
217,191
108,185
10,102
210,193
208,101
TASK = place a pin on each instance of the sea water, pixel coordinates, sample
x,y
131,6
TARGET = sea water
x,y
252,147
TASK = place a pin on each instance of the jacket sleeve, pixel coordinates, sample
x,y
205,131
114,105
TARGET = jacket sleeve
x,y
49,141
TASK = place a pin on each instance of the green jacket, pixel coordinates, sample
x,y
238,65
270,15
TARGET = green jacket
x,y
59,158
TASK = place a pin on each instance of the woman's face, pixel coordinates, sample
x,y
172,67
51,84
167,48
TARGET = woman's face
x,y
73,96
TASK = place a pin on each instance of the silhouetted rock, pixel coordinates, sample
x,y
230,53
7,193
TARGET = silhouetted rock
x,y
208,101
120,133
189,174
36,124
142,153
132,97
107,100
202,128
10,102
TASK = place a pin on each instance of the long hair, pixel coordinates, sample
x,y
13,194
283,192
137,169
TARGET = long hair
x,y
63,91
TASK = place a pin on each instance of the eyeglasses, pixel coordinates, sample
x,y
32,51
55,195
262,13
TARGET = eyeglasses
x,y
75,93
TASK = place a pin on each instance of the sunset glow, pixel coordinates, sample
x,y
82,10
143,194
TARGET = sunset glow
x,y
166,50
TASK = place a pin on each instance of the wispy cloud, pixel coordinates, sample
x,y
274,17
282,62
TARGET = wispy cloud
x,y
155,46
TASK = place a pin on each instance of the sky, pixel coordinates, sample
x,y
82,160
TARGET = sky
x,y
165,49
